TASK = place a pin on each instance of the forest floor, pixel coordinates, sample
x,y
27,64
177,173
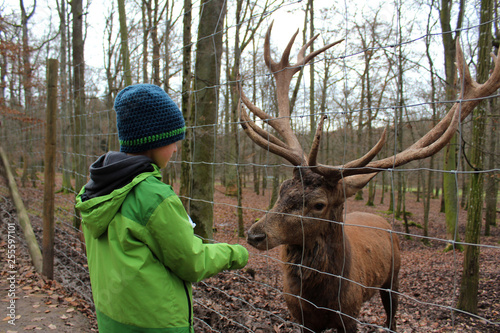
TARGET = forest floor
x,y
429,278
38,304
251,300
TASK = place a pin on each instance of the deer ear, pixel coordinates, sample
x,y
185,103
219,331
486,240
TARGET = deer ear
x,y
353,184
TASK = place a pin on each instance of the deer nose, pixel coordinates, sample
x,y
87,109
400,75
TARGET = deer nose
x,y
255,238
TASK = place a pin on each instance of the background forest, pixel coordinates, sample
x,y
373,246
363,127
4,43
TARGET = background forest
x,y
395,69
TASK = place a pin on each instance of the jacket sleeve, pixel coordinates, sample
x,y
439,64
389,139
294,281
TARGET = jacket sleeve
x,y
184,253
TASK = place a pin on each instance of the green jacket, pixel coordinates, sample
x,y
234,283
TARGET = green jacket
x,y
143,257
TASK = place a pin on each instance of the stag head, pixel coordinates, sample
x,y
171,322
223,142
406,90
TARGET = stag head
x,y
315,196
299,216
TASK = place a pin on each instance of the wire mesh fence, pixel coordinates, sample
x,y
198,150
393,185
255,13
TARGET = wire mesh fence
x,y
388,72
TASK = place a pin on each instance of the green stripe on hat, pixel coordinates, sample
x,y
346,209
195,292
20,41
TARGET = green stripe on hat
x,y
152,138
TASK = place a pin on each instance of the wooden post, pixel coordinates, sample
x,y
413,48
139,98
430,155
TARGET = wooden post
x,y
49,170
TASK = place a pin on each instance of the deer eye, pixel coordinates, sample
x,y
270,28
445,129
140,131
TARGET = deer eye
x,y
319,206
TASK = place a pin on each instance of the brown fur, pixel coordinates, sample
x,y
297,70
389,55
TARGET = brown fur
x,y
331,267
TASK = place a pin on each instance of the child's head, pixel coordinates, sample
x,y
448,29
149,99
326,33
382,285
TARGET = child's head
x,y
147,118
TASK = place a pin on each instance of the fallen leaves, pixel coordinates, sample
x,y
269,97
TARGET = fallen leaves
x,y
251,300
41,305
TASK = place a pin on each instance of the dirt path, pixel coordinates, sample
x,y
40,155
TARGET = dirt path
x,y
28,302
41,309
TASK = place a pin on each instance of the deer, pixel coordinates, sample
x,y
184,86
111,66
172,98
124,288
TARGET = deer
x,y
333,261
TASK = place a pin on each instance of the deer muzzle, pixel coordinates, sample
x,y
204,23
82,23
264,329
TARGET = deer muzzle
x,y
257,239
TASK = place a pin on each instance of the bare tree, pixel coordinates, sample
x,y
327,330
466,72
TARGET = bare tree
x,y
79,99
112,63
27,75
428,181
312,102
491,184
186,175
468,298
370,98
127,72
65,106
449,36
206,82
146,28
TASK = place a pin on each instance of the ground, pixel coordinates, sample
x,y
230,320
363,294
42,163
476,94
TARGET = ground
x,y
250,300
40,305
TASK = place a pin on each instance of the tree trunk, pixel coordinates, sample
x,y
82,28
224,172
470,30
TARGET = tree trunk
x,y
368,56
450,185
230,174
228,145
234,121
27,74
127,72
255,169
382,195
264,173
428,181
312,108
146,28
186,174
419,183
465,189
156,47
275,188
168,174
206,82
468,298
79,99
65,110
491,183
399,125
491,189
113,143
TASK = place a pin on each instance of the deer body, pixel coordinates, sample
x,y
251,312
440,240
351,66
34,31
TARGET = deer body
x,y
332,266
328,262
365,264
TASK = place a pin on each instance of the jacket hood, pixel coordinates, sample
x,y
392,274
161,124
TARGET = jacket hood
x,y
112,171
112,176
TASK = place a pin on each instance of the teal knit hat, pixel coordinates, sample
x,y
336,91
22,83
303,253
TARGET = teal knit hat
x,y
147,118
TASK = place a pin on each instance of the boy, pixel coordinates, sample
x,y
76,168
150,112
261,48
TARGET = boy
x,y
141,249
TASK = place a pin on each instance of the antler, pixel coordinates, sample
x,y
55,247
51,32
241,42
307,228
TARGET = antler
x,y
363,169
432,142
283,73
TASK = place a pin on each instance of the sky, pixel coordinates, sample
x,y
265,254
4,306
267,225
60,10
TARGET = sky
x,y
287,20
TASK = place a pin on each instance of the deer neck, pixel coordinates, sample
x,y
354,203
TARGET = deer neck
x,y
330,252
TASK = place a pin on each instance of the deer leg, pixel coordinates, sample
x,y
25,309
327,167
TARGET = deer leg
x,y
390,302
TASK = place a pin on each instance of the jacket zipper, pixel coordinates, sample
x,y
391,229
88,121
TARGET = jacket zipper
x,y
189,303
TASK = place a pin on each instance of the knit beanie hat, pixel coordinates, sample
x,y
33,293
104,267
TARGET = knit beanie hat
x,y
147,118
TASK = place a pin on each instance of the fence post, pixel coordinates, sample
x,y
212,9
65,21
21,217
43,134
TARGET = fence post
x,y
49,169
